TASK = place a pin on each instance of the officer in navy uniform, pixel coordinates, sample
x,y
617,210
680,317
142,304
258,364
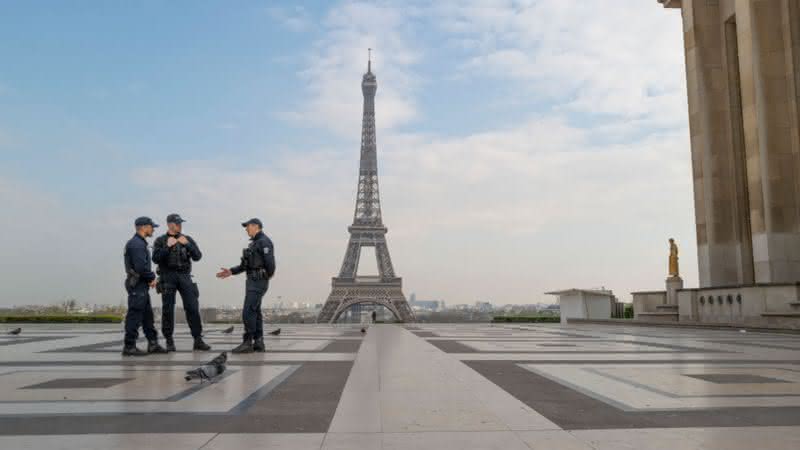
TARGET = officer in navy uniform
x,y
140,278
258,261
174,253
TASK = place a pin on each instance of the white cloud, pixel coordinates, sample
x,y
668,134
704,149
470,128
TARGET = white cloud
x,y
295,19
339,59
618,59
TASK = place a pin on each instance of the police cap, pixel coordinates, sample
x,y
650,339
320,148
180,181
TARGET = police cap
x,y
142,221
253,221
175,218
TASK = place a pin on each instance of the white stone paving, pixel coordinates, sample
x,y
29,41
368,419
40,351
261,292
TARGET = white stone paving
x,y
405,393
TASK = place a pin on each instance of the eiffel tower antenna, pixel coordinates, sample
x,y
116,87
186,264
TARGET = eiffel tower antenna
x,y
367,230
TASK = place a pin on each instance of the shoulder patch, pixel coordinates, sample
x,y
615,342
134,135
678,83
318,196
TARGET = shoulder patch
x,y
266,250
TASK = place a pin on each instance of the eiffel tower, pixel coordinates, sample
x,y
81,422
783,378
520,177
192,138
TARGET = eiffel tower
x,y
367,230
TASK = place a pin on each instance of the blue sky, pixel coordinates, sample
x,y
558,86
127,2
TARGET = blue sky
x,y
544,141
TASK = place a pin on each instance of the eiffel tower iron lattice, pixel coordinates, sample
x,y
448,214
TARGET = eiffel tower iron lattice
x,y
348,288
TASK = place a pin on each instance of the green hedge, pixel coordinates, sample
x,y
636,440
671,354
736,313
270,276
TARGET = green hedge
x,y
60,319
527,319
628,312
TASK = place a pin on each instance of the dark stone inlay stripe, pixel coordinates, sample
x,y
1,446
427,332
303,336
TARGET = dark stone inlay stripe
x,y
455,346
305,402
78,383
425,334
573,410
755,344
735,378
452,347
343,346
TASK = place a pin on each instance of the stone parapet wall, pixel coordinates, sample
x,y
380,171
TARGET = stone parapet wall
x,y
648,302
758,306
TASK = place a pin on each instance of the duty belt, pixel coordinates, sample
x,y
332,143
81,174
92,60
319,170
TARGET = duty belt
x,y
257,274
176,271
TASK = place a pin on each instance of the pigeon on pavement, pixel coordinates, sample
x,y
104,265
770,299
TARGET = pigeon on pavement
x,y
209,371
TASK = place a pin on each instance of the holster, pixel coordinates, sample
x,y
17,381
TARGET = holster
x,y
132,280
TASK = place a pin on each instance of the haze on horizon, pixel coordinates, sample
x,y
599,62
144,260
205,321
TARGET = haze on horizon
x,y
524,146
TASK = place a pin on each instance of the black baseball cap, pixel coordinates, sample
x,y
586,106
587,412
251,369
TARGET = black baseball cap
x,y
175,218
142,221
253,221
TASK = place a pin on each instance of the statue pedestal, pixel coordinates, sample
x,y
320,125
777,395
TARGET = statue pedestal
x,y
674,283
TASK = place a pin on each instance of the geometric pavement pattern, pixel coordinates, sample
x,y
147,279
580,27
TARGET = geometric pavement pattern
x,y
465,386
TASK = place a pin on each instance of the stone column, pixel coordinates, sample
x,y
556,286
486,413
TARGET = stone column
x,y
713,158
768,55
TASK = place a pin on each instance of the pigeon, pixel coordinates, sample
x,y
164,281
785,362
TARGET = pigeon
x,y
15,331
228,330
363,330
209,371
276,332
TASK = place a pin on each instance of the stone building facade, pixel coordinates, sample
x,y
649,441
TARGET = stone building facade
x,y
743,83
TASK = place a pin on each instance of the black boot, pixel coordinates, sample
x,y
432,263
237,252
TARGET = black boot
x,y
153,347
171,345
133,350
200,345
245,347
258,345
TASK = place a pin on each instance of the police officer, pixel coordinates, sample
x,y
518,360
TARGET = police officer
x,y
140,278
174,253
258,261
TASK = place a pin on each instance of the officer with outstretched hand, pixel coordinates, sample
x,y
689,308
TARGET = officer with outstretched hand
x,y
174,253
140,278
258,261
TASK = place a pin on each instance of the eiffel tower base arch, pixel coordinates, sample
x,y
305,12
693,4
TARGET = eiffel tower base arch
x,y
348,293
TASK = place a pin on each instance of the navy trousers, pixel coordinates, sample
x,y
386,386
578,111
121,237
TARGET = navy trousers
x,y
180,283
251,313
140,314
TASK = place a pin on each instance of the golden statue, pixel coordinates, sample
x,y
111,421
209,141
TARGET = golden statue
x,y
673,258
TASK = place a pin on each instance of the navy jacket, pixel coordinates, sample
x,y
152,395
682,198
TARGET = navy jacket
x,y
137,258
262,249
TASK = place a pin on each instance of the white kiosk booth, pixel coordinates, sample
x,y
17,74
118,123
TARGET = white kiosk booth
x,y
585,303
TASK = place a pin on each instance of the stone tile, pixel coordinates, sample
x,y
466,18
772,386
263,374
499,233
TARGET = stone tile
x,y
766,438
106,441
476,440
271,441
637,439
351,441
551,440
429,411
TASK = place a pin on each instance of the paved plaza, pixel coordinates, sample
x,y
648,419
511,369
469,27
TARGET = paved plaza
x,y
466,386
